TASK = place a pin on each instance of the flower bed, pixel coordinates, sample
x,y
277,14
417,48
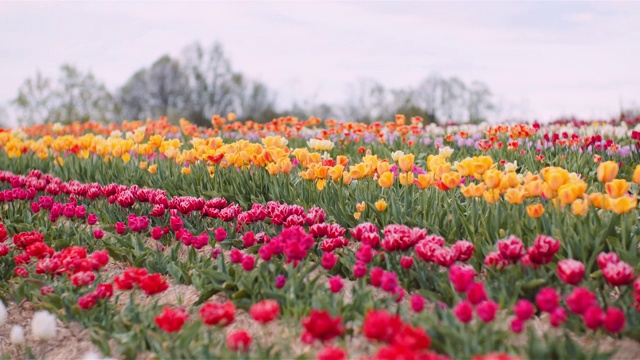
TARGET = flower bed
x,y
323,239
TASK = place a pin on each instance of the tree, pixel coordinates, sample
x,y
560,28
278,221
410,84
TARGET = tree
x,y
452,99
215,88
4,117
257,102
406,102
133,97
34,102
168,87
367,102
81,97
479,101
76,96
161,90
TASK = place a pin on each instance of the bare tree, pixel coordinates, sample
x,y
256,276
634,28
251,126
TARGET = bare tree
x,y
257,102
452,99
367,102
168,87
428,92
214,86
81,97
34,101
479,101
4,117
76,96
134,99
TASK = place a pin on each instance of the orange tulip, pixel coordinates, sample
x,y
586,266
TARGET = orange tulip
x,y
423,181
535,211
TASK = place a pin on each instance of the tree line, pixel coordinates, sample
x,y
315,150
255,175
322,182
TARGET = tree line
x,y
201,82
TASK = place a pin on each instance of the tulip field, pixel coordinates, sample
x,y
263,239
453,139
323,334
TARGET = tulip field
x,y
319,239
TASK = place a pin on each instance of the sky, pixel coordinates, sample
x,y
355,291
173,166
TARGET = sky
x,y
542,60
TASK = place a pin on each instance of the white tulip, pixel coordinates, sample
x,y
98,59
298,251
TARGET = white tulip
x,y
17,335
43,325
91,355
3,313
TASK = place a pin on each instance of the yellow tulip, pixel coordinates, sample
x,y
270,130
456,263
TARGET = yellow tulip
x,y
153,168
607,171
580,207
320,184
346,178
623,204
636,175
383,167
356,215
386,179
451,179
336,172
617,188
509,180
473,190
381,205
568,193
405,162
515,195
492,178
285,165
555,177
492,196
406,179
272,169
481,164
534,188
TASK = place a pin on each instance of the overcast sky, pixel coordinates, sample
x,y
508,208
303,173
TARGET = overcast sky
x,y
541,59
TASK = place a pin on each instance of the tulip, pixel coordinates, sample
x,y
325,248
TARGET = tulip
x,y
381,205
607,171
405,179
617,188
17,335
405,162
636,175
535,211
423,181
43,325
386,179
